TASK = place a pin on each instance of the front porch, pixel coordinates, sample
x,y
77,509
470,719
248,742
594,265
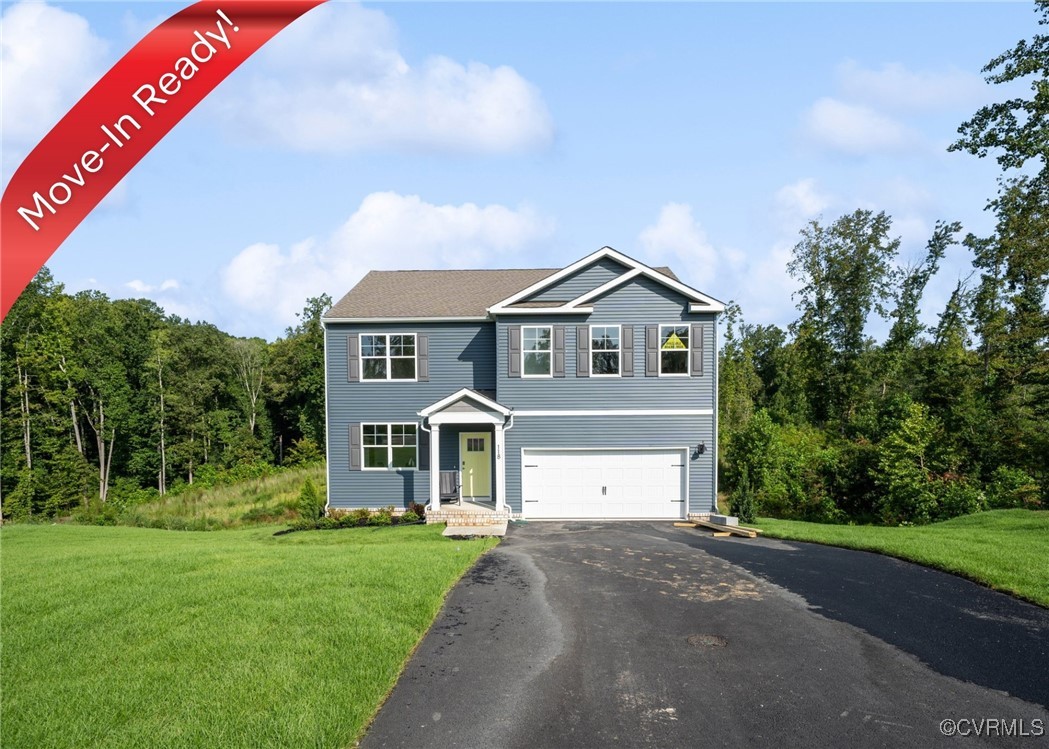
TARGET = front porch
x,y
467,485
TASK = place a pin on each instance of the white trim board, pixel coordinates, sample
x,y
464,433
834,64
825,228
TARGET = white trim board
x,y
620,412
394,320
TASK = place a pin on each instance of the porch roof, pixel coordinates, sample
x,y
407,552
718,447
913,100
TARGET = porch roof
x,y
486,409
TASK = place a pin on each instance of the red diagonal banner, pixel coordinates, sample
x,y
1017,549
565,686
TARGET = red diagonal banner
x,y
120,119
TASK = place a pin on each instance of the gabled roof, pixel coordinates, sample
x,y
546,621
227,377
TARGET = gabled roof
x,y
700,302
476,396
476,294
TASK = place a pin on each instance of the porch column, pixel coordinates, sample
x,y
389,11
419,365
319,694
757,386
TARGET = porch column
x,y
500,467
435,467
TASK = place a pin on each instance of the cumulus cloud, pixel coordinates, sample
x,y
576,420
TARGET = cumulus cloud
x,y
678,239
335,82
141,287
894,87
49,58
855,128
387,231
799,202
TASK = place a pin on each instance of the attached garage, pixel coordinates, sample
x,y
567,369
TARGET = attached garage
x,y
604,483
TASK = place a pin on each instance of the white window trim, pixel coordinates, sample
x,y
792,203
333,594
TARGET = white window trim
x,y
619,350
550,373
688,350
389,445
389,363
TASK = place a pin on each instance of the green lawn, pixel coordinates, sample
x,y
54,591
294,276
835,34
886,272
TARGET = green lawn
x,y
1005,549
135,637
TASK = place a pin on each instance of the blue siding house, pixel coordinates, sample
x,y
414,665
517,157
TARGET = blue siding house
x,y
588,391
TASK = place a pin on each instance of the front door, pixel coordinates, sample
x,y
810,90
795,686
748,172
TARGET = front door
x,y
476,461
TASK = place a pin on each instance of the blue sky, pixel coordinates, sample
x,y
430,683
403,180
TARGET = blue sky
x,y
428,135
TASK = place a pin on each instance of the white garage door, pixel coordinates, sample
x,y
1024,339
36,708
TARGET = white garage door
x,y
604,483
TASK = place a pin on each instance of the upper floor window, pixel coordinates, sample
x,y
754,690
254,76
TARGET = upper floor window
x,y
388,357
673,349
389,446
604,350
535,351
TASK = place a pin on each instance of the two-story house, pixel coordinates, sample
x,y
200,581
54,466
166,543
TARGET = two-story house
x,y
584,392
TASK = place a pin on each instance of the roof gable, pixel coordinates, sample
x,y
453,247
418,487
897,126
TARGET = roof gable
x,y
699,302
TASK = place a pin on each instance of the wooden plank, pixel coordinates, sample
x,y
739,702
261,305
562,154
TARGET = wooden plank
x,y
684,525
720,534
748,528
734,530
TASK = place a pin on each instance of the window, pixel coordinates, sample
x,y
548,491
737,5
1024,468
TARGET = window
x,y
604,350
388,357
388,446
535,352
673,349
475,444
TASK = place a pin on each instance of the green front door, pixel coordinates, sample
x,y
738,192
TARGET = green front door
x,y
476,461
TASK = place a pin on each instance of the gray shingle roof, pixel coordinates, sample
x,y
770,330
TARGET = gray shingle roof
x,y
436,293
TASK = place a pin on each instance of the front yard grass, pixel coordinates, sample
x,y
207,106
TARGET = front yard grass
x,y
1007,550
133,637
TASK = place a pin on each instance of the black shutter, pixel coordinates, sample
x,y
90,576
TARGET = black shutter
x,y
513,350
353,358
422,358
696,353
423,441
582,351
626,345
559,351
651,351
355,447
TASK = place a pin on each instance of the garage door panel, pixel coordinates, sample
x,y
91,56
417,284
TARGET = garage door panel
x,y
614,483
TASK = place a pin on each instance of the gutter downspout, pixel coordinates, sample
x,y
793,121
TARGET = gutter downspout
x,y
506,428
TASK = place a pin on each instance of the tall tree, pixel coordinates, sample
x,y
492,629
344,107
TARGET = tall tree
x,y
846,270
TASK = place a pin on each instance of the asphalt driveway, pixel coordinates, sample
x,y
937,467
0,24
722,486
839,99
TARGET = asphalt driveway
x,y
642,634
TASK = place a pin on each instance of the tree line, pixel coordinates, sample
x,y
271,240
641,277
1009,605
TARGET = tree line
x,y
115,402
821,422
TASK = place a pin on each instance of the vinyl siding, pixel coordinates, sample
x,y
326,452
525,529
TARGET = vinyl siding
x,y
637,303
460,355
580,282
616,431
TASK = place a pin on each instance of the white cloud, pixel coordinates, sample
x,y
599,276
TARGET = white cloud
x,y
141,287
387,231
896,88
855,128
799,202
49,58
678,238
335,82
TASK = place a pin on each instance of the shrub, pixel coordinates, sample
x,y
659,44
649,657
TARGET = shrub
x,y
303,452
742,504
409,516
360,516
311,503
382,517
956,496
1013,487
418,509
